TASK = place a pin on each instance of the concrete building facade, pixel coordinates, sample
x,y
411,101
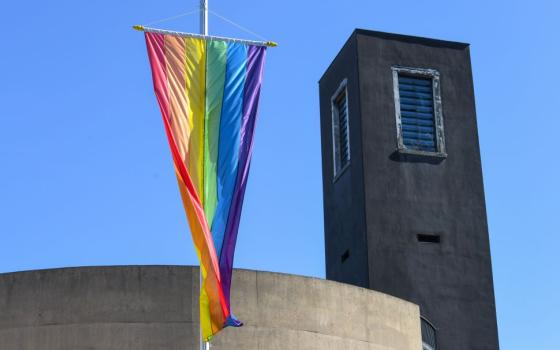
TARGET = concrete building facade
x,y
404,201
156,308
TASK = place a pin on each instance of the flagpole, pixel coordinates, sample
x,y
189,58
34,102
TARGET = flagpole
x,y
204,17
204,31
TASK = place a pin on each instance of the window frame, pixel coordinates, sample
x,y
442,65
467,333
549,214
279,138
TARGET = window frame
x,y
434,75
343,86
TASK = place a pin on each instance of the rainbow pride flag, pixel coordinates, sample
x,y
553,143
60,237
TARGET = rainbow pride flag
x,y
208,92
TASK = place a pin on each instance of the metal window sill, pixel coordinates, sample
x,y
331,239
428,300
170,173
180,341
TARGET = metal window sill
x,y
414,152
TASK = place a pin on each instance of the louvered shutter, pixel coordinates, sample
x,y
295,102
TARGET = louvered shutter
x,y
417,113
428,335
341,104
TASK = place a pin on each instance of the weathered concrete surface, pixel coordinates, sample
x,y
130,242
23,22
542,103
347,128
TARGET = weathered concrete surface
x,y
156,307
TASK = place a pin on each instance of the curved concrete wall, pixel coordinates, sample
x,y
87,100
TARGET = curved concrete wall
x,y
156,307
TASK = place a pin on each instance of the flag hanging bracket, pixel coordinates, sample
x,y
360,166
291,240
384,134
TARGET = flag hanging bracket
x,y
209,37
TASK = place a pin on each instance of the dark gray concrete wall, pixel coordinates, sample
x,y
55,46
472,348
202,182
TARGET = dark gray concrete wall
x,y
406,196
451,281
344,197
156,307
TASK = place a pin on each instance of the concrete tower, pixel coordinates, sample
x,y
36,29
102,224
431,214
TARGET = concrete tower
x,y
404,203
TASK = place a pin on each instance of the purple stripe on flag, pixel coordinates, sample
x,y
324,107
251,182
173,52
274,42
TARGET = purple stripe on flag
x,y
255,63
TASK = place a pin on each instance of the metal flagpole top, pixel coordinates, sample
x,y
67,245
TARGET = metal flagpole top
x,y
204,17
204,30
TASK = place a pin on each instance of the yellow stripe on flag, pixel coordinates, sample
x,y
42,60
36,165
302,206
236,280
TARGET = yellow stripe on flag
x,y
195,67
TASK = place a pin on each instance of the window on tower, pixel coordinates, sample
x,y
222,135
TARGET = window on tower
x,y
418,111
340,130
428,335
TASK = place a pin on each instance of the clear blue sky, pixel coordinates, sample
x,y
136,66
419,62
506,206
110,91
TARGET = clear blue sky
x,y
87,179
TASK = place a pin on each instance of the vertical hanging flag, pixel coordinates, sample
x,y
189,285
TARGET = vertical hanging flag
x,y
208,92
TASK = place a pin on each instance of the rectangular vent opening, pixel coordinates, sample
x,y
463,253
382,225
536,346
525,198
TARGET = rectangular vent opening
x,y
341,104
417,113
340,129
428,238
345,256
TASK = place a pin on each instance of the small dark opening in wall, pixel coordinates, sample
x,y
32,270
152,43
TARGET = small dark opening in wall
x,y
427,238
345,256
